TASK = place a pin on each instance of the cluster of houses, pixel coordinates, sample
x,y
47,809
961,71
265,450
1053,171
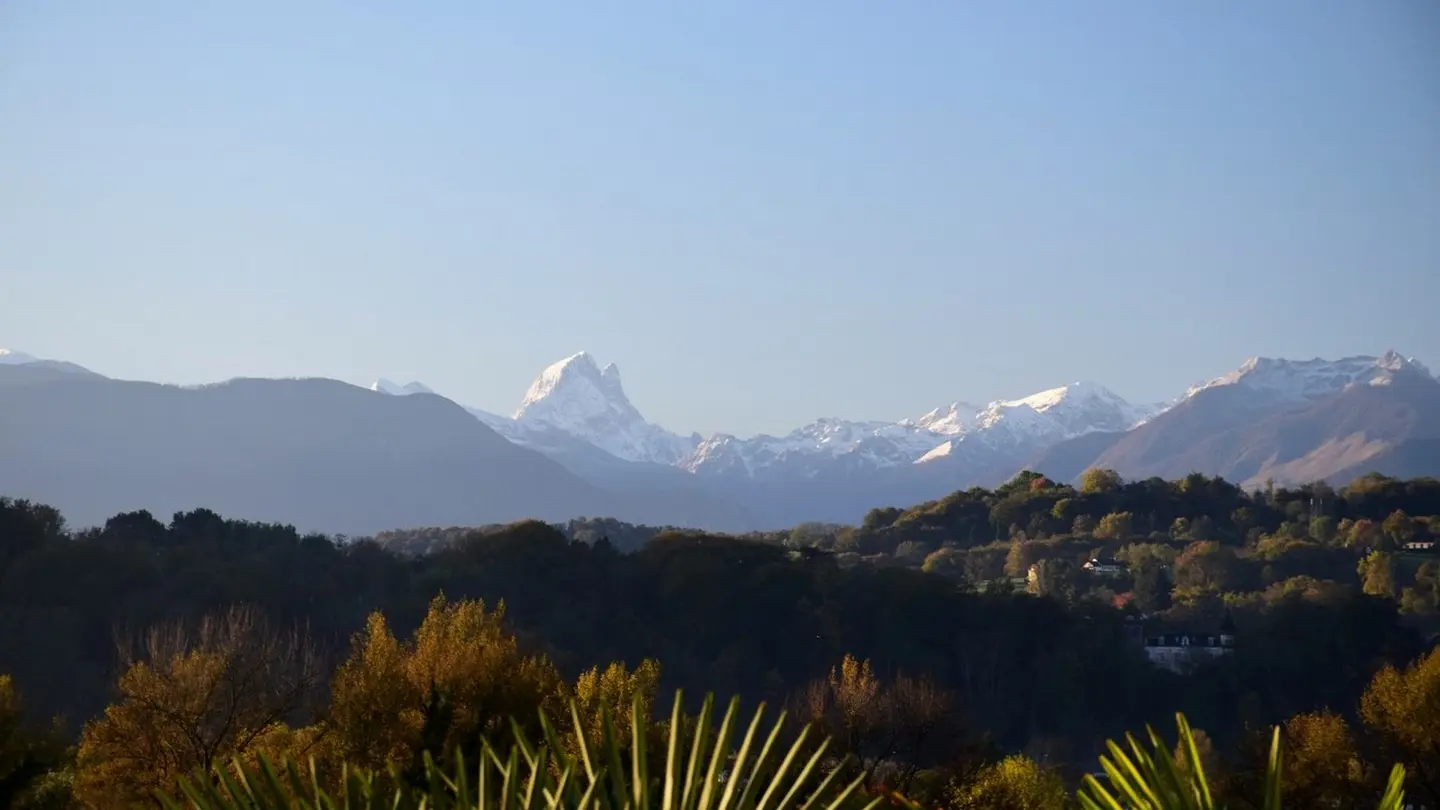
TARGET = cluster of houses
x,y
1177,652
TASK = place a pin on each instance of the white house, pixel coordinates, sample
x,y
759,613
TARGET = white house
x,y
1182,652
1105,566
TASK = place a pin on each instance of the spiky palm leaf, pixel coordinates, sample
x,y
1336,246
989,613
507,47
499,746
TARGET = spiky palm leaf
x,y
1150,779
761,774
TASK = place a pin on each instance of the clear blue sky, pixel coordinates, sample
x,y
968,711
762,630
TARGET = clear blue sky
x,y
762,211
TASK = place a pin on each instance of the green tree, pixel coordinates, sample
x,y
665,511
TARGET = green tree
x,y
1055,578
1151,588
1423,598
1024,481
911,552
880,517
28,756
1323,529
1245,519
1202,528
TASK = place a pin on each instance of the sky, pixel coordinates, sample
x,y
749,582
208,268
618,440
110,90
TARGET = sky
x,y
762,212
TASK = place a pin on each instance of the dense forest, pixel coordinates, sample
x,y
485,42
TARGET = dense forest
x,y
988,641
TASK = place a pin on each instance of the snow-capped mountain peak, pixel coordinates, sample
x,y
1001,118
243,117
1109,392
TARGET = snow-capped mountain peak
x,y
1084,406
1298,380
385,386
1394,362
1080,407
957,418
580,398
573,372
577,398
953,432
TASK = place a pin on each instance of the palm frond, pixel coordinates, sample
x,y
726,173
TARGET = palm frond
x,y
706,774
1152,779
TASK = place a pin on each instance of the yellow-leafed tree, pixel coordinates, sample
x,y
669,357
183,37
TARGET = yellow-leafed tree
x,y
460,678
614,689
1402,707
1014,783
192,695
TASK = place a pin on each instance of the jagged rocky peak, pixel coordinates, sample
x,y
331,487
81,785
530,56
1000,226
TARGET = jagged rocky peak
x,y
610,380
1393,361
579,397
575,373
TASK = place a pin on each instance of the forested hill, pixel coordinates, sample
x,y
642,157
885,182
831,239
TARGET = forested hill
x,y
983,592
1195,538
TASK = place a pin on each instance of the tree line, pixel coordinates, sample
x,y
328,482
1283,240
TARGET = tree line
x,y
931,681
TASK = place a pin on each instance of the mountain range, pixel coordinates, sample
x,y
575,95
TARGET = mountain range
x,y
576,445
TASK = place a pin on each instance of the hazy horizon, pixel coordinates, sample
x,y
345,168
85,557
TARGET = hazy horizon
x,y
761,214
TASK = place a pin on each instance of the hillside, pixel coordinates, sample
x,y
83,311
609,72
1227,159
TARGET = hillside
x,y
1246,434
316,453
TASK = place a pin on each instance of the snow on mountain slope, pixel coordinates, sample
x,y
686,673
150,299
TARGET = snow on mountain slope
x,y
1301,380
576,399
13,358
9,357
1029,423
955,419
807,449
953,433
385,386
503,425
579,398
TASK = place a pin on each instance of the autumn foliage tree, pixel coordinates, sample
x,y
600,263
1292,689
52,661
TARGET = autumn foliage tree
x,y
613,690
889,730
1323,763
1402,707
1377,574
1115,526
190,694
461,677
1098,480
1014,783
